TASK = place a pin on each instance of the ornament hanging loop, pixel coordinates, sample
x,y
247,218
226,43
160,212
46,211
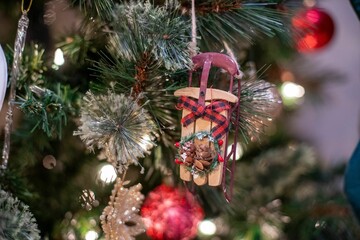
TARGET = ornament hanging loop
x,y
23,10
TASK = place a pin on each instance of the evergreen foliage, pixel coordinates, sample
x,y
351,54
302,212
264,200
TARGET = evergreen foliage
x,y
140,51
16,221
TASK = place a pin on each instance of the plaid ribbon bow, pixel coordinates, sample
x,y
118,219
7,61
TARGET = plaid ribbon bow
x,y
210,112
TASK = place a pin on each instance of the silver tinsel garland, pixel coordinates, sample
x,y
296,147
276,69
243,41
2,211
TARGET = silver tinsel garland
x,y
118,125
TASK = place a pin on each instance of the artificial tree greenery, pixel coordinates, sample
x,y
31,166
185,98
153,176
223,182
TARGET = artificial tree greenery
x,y
123,64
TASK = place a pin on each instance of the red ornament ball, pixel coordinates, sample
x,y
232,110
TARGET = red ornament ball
x,y
171,214
313,29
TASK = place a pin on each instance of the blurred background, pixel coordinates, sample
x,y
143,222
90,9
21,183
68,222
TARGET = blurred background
x,y
289,181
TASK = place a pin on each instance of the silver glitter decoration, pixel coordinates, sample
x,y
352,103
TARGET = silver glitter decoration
x,y
15,71
117,125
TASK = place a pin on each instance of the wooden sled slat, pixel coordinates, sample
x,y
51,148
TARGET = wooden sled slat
x,y
215,176
211,94
201,125
185,131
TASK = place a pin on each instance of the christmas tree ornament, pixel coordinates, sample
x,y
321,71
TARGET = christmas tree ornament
x,y
3,76
49,162
205,121
120,220
16,221
313,29
15,73
171,214
118,125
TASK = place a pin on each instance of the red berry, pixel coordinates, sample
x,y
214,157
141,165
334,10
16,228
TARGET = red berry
x,y
220,142
178,161
220,158
177,144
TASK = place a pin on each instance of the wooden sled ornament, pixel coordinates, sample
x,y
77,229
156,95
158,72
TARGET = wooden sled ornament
x,y
205,122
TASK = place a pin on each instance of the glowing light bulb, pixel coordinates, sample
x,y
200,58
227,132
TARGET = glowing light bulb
x,y
239,151
292,90
91,235
59,57
207,227
107,173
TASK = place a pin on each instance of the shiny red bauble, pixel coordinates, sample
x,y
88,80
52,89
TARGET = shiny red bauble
x,y
171,214
313,29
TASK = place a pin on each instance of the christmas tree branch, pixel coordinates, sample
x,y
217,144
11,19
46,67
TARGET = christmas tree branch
x,y
94,8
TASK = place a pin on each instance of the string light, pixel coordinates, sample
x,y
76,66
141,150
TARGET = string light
x,y
207,227
59,57
292,90
91,235
239,151
107,173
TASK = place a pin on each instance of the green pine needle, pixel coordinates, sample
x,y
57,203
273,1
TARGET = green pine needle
x,y
259,104
87,40
47,109
235,21
141,28
96,8
16,221
33,68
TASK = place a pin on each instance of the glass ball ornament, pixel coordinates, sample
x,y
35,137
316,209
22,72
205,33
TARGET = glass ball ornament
x,y
171,214
314,28
3,76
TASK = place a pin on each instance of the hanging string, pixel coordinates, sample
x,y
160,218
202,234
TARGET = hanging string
x,y
230,52
15,73
27,9
193,30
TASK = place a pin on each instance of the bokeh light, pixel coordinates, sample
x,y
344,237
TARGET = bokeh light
x,y
91,235
59,57
107,173
207,227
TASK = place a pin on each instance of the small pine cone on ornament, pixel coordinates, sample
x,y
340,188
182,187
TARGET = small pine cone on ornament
x,y
204,157
198,165
189,161
188,153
